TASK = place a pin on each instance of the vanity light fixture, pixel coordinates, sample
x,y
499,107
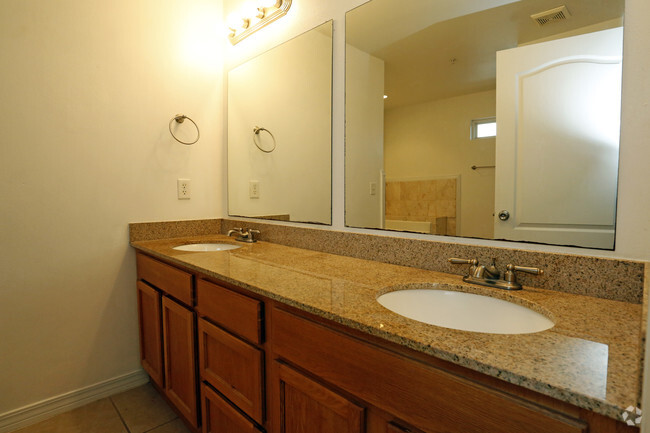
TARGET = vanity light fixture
x,y
245,23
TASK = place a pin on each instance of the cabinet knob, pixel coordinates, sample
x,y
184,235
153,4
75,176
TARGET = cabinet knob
x,y
504,215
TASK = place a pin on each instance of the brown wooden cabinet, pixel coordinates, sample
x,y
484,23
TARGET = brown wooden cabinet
x,y
233,367
149,307
238,314
221,417
231,355
427,397
304,405
171,280
168,334
315,375
180,358
394,427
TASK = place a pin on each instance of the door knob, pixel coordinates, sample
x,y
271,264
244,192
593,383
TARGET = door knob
x,y
504,215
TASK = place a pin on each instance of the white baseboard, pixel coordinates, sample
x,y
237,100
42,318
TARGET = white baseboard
x,y
42,410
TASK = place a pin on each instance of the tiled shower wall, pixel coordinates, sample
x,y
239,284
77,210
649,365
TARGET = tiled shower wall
x,y
432,200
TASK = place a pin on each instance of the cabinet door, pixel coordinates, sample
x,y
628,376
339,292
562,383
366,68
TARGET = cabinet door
x,y
180,365
233,367
150,332
307,406
221,417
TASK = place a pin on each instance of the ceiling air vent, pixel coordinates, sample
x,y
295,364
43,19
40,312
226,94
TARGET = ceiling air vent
x,y
556,14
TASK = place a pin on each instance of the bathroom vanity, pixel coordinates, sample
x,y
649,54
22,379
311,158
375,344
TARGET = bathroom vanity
x,y
272,338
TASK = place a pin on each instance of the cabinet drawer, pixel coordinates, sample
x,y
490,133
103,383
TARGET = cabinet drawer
x,y
169,279
233,367
424,396
237,313
219,416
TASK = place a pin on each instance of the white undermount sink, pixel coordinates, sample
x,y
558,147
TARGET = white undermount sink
x,y
464,311
206,247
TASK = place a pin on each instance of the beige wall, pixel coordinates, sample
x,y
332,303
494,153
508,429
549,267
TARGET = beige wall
x,y
431,140
87,91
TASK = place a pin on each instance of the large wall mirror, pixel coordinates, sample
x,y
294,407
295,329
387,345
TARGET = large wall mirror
x,y
279,131
493,119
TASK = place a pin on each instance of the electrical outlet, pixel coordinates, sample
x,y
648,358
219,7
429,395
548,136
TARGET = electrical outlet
x,y
183,189
373,188
254,189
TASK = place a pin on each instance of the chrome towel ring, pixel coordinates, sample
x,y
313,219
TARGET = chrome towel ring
x,y
256,133
180,118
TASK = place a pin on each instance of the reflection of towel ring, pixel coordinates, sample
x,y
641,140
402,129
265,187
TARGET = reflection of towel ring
x,y
256,133
180,118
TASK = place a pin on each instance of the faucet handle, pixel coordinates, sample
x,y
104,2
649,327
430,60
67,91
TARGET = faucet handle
x,y
472,262
510,276
456,261
252,233
527,269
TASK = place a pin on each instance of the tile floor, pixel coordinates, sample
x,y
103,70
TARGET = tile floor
x,y
139,410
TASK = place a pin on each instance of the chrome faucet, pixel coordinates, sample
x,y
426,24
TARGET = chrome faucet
x,y
490,275
244,235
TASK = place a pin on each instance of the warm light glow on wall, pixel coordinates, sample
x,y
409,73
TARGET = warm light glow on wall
x,y
253,16
199,38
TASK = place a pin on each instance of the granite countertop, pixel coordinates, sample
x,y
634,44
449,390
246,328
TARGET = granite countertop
x,y
590,358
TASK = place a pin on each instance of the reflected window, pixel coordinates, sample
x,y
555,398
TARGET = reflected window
x,y
483,128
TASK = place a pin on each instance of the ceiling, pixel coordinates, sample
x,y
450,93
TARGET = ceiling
x,y
440,49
